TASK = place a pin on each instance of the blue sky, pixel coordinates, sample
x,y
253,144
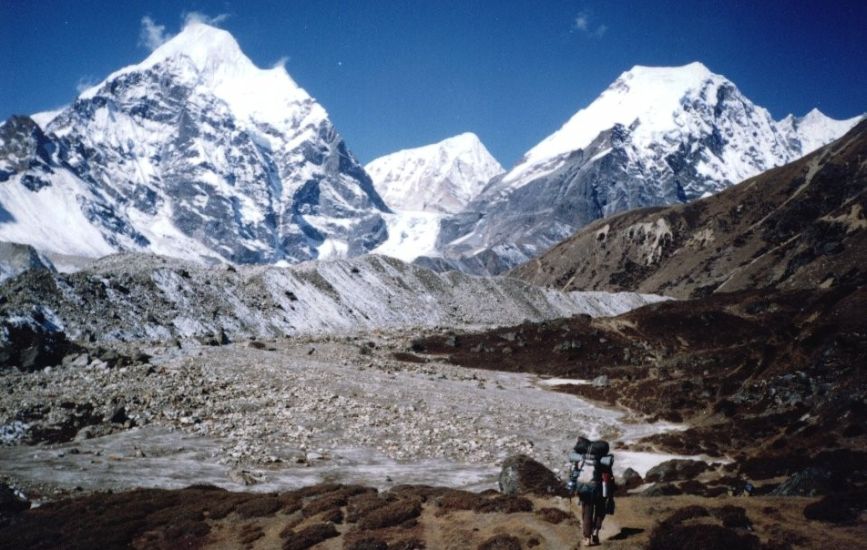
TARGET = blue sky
x,y
397,74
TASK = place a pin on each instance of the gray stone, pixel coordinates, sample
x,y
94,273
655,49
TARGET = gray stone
x,y
521,474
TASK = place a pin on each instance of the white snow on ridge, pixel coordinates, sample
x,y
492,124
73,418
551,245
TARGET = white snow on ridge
x,y
815,129
45,117
219,66
66,229
442,177
648,94
658,104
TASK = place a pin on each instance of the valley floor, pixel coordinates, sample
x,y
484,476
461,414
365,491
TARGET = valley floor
x,y
279,414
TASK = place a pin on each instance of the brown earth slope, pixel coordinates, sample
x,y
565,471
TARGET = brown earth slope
x,y
774,380
802,225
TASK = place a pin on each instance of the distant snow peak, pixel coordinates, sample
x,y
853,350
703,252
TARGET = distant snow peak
x,y
442,177
815,129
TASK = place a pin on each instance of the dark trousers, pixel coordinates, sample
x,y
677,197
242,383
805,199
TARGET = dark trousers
x,y
592,514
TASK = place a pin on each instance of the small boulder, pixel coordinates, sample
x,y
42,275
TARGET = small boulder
x,y
11,502
522,475
630,480
119,416
811,482
600,381
661,490
34,341
675,470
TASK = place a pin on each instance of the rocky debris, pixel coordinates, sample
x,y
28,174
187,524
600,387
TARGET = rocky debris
x,y
267,410
810,482
522,475
676,470
129,297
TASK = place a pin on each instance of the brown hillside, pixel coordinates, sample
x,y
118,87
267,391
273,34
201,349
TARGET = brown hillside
x,y
798,226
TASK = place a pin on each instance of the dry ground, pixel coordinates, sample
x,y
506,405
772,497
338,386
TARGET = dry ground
x,y
340,516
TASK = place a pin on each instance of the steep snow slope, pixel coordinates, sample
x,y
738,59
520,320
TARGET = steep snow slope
x,y
656,136
443,177
123,297
195,153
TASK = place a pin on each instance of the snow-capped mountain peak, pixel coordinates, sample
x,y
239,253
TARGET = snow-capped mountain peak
x,y
194,152
655,136
647,99
441,177
209,58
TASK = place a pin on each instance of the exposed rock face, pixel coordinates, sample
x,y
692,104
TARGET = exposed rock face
x,y
810,482
656,136
33,341
630,479
193,153
16,258
522,475
799,226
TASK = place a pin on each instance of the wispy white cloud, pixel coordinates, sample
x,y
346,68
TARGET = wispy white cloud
x,y
585,24
282,61
199,17
151,35
84,83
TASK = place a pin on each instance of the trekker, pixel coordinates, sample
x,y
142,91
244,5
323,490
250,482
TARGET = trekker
x,y
592,479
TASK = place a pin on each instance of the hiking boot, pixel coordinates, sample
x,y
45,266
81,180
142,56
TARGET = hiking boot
x,y
595,540
585,542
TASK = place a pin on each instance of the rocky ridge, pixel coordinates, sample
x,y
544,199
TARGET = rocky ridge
x,y
144,297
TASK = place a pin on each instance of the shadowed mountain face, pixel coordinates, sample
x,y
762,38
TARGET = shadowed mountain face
x,y
798,226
